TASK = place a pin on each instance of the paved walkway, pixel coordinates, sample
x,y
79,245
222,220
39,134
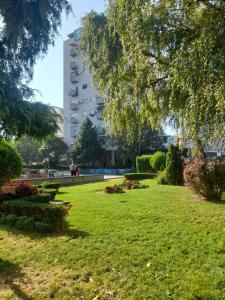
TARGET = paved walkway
x,y
106,177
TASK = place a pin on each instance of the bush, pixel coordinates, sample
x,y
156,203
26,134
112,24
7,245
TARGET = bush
x,y
23,189
51,192
143,164
174,166
158,161
26,223
11,162
37,210
206,178
49,185
129,184
40,198
115,189
161,178
133,176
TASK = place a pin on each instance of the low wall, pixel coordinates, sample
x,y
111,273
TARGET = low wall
x,y
67,180
106,171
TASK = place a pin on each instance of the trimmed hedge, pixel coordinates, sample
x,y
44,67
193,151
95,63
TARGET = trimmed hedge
x,y
40,198
49,185
51,192
133,176
39,211
26,223
143,164
158,161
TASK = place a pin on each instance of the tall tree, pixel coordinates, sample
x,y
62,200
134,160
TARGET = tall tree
x,y
27,29
29,149
53,151
87,148
160,60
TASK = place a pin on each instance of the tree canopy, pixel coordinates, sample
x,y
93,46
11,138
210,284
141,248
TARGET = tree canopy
x,y
87,148
160,60
27,29
28,148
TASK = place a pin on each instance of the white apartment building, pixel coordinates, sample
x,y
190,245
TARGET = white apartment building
x,y
80,96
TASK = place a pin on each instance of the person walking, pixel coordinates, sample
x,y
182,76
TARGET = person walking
x,y
73,169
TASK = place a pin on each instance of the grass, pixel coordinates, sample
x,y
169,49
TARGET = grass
x,y
157,243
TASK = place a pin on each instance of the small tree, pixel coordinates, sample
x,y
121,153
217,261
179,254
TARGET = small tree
x,y
11,162
28,148
87,148
174,166
53,151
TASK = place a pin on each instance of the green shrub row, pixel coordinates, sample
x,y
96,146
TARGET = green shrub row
x,y
39,211
39,198
49,185
51,192
27,223
133,176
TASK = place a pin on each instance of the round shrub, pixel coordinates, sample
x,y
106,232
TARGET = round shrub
x,y
11,162
158,161
206,178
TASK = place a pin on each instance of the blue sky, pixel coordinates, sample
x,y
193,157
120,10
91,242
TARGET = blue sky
x,y
48,72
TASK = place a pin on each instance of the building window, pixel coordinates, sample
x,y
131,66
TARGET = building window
x,y
85,113
85,86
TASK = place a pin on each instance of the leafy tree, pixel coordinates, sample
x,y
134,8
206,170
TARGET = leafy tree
x,y
87,148
28,148
143,140
11,163
53,151
160,60
27,29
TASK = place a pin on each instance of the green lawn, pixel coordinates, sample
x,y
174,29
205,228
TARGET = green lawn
x,y
157,243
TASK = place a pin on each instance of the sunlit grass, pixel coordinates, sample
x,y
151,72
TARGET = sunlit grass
x,y
157,243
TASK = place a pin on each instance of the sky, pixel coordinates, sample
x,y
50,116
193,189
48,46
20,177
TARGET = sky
x,y
48,72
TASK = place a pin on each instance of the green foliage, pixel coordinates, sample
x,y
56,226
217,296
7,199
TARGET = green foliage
x,y
28,148
161,179
87,148
26,223
206,178
134,176
49,185
39,211
53,151
10,162
174,166
143,164
160,60
44,197
27,29
158,161
51,192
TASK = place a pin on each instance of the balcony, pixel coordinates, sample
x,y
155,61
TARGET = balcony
x,y
73,52
73,132
73,42
73,93
100,100
73,78
99,115
74,106
74,120
73,65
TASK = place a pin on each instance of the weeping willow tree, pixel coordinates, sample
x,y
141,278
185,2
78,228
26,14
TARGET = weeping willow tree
x,y
160,60
27,28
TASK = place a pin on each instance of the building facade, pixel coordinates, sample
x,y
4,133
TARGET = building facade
x,y
80,96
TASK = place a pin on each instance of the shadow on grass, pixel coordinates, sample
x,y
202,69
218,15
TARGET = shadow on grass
x,y
9,272
61,193
76,233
